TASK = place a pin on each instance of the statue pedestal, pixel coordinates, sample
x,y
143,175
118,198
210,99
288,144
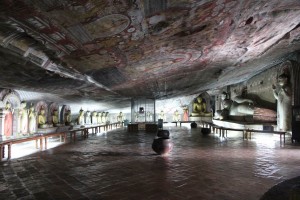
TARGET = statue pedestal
x,y
46,130
63,128
200,118
243,125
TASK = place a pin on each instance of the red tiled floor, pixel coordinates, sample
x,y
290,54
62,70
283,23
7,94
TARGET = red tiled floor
x,y
121,165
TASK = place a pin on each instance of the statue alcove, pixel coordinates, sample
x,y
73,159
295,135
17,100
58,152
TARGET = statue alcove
x,y
10,115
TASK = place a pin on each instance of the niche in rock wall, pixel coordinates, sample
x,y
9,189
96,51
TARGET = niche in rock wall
x,y
206,98
11,103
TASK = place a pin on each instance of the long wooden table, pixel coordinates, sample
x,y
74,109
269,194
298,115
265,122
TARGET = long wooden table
x,y
247,133
38,142
182,122
39,138
84,131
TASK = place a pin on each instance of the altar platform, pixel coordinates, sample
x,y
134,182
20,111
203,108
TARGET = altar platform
x,y
245,125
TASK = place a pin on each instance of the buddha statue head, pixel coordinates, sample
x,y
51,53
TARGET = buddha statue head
x,y
81,112
23,104
42,111
223,96
31,109
282,80
8,106
199,99
55,112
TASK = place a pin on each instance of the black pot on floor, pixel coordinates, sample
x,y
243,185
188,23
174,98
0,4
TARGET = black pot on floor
x,y
193,125
163,134
162,146
205,131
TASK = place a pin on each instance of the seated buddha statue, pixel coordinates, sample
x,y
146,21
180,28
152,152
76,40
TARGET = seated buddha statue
x,y
68,118
199,108
55,119
42,119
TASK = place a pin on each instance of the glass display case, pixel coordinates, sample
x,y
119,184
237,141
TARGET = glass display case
x,y
142,110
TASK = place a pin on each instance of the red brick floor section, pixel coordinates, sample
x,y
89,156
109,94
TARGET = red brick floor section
x,y
122,165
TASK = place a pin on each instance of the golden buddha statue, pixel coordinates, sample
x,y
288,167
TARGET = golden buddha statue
x,y
42,118
68,117
55,118
199,108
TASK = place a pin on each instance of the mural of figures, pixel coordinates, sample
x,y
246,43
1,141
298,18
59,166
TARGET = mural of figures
x,y
8,120
283,94
32,120
23,118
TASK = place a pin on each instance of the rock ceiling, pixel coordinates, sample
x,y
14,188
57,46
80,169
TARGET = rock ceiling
x,y
113,50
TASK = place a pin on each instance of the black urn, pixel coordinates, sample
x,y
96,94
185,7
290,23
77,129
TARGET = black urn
x,y
193,125
205,131
162,144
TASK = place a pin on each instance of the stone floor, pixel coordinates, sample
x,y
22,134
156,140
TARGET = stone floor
x,y
121,165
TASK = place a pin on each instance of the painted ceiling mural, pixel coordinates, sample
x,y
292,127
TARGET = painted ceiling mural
x,y
118,49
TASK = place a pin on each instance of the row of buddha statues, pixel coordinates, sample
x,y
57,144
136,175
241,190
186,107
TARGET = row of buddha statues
x,y
88,118
43,116
31,119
